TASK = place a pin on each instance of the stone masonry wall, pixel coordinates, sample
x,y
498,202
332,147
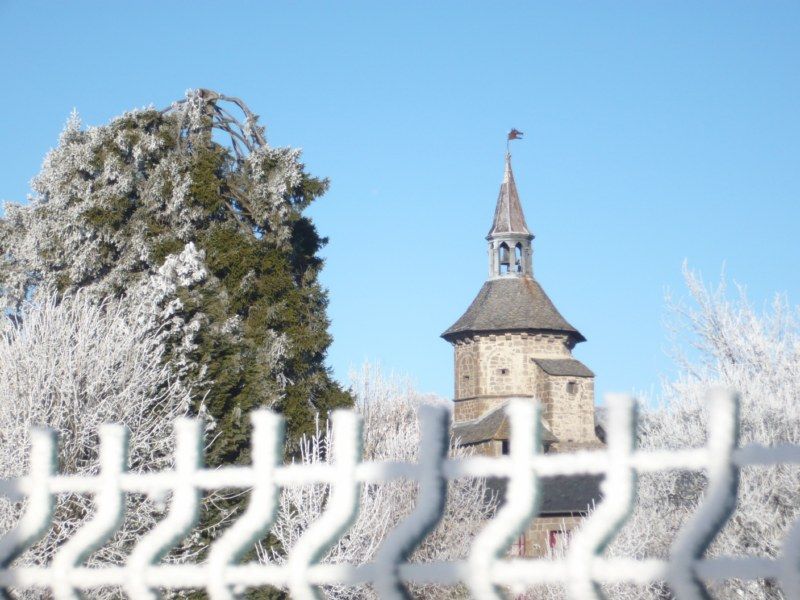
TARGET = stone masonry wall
x,y
491,368
473,408
568,406
502,365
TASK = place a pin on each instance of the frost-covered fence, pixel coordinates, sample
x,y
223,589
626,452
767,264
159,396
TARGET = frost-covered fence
x,y
485,572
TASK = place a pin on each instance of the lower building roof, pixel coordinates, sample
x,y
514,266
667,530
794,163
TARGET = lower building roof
x,y
494,425
561,494
564,367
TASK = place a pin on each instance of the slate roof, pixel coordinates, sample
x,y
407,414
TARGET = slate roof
x,y
562,494
494,425
564,367
511,304
508,216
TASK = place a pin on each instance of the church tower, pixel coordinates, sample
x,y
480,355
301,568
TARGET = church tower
x,y
513,342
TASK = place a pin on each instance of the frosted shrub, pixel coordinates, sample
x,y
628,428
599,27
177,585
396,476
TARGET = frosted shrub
x,y
74,362
730,344
721,342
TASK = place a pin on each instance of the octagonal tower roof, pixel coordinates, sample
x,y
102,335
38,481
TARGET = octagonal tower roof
x,y
513,301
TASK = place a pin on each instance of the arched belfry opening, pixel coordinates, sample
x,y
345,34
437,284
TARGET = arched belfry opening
x,y
504,258
518,258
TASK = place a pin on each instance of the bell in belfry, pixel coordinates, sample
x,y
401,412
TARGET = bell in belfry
x,y
505,255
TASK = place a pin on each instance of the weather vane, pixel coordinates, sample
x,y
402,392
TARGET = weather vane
x,y
514,134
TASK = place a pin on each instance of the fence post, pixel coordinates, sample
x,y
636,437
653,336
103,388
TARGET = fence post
x,y
434,424
719,502
110,510
182,515
340,512
37,518
619,493
253,524
521,501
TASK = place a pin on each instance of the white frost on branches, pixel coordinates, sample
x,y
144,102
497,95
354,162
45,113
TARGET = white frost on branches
x,y
107,196
274,172
73,365
758,354
74,362
391,432
159,308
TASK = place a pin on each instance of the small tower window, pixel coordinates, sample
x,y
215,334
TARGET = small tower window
x,y
518,258
503,371
505,449
572,387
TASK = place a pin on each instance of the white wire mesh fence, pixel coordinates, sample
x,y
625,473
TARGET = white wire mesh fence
x,y
487,570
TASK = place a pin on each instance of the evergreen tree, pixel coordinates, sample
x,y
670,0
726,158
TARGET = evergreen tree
x,y
112,202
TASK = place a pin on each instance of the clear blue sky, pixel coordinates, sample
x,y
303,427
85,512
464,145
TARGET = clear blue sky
x,y
655,132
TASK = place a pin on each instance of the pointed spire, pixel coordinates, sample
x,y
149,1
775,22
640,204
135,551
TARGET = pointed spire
x,y
508,216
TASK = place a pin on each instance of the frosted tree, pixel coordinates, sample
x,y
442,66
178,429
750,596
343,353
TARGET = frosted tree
x,y
73,363
758,354
722,342
391,432
112,202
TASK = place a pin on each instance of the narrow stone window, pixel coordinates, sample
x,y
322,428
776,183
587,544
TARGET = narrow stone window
x,y
504,447
503,371
466,377
572,387
518,258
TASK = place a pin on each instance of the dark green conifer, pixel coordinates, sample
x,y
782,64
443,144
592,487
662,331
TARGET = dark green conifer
x,y
112,202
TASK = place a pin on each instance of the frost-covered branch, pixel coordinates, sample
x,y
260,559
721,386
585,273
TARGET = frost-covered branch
x,y
733,345
208,103
74,362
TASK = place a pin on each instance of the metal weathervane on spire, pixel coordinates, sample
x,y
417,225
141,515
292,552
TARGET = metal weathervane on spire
x,y
514,134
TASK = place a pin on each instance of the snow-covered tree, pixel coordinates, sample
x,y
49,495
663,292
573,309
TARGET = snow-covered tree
x,y
728,343
391,432
112,202
720,342
72,363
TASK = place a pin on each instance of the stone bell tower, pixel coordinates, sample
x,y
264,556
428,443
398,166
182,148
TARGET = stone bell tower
x,y
513,342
